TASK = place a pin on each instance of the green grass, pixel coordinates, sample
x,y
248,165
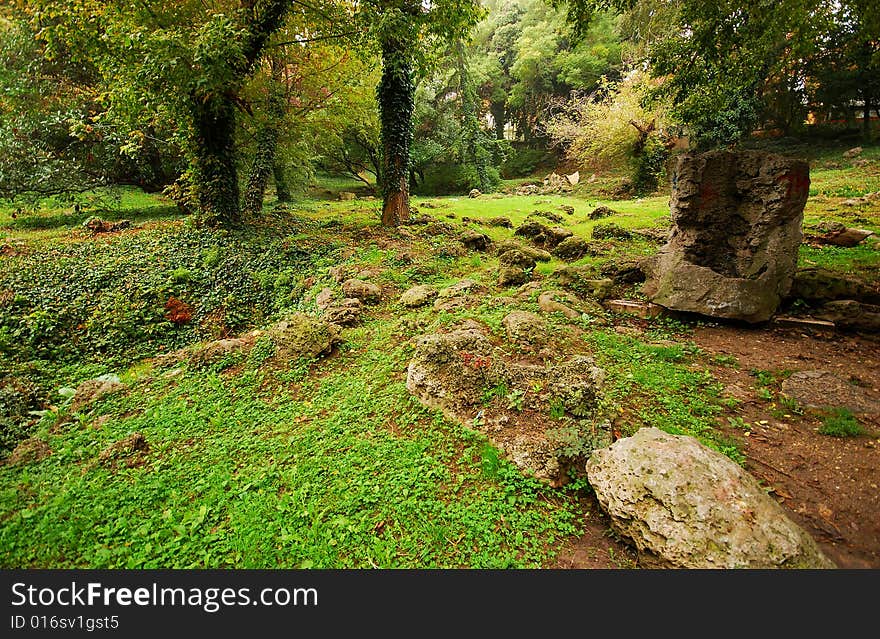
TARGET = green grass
x,y
841,423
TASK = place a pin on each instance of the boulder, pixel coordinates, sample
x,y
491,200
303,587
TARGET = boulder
x,y
737,218
347,196
539,255
547,215
837,234
301,336
525,329
476,241
418,296
365,291
852,315
624,270
542,235
684,505
92,390
512,276
131,449
580,279
503,222
600,212
324,299
345,313
572,248
474,193
518,258
610,231
456,372
821,285
568,305
28,451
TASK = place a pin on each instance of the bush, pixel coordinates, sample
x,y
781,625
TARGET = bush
x,y
453,179
524,162
649,166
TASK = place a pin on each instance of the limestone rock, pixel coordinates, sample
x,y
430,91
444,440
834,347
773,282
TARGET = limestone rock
x,y
624,270
418,296
347,196
512,276
826,389
517,258
474,193
568,305
580,279
821,285
92,390
539,255
133,446
733,249
365,291
503,222
542,235
454,371
686,506
301,336
601,211
525,329
610,231
325,298
345,313
476,241
572,248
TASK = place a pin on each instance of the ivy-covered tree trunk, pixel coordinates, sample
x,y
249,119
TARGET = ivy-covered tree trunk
x,y
396,96
499,117
267,136
214,172
215,176
279,175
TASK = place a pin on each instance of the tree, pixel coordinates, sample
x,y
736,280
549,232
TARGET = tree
x,y
403,33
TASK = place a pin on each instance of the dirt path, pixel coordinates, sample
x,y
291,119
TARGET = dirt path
x,y
828,485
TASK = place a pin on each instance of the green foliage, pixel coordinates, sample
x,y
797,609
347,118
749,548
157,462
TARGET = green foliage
x,y
841,423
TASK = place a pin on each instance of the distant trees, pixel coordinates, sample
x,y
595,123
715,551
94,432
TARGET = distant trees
x,y
730,66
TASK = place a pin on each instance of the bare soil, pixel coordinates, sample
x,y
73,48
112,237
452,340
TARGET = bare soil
x,y
828,485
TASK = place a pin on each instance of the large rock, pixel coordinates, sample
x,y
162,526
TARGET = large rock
x,y
572,248
821,285
364,291
460,373
852,315
737,226
301,336
686,506
92,390
542,235
418,296
525,329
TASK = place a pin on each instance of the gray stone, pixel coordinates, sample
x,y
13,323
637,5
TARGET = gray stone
x,y
572,248
503,222
301,336
542,235
364,291
825,389
92,390
525,329
852,315
684,505
325,298
821,285
346,196
568,305
512,276
733,249
418,296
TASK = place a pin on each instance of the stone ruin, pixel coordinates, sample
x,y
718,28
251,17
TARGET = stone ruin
x,y
737,226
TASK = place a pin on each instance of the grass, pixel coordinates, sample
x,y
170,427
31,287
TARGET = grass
x,y
841,423
317,464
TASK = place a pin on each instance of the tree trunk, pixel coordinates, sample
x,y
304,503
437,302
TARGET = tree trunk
x,y
499,115
396,95
471,122
267,144
215,176
866,122
279,174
